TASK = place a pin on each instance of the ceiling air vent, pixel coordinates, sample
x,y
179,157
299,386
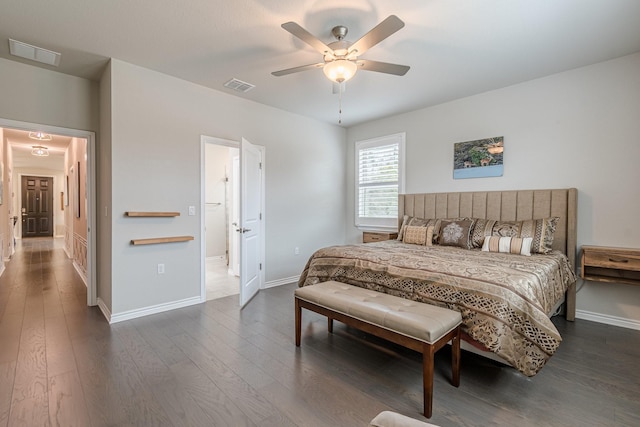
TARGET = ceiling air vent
x,y
239,85
33,53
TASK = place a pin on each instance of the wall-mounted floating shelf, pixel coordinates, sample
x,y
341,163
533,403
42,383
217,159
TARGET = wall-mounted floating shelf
x,y
152,214
157,240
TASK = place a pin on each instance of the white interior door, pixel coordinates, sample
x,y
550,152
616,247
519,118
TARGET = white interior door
x,y
250,227
234,237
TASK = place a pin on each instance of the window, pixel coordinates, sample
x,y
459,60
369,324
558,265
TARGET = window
x,y
379,180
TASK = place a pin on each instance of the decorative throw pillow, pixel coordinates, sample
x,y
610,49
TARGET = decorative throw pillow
x,y
505,229
405,220
512,245
415,235
409,221
437,226
541,231
481,228
418,235
429,240
455,233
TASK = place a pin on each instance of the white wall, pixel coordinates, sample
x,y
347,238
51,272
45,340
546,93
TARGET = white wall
x,y
41,96
156,123
104,196
217,170
579,128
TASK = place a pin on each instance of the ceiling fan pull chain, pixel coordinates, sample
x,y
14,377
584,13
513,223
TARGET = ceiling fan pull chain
x,y
339,103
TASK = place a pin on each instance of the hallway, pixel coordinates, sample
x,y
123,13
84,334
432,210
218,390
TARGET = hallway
x,y
42,310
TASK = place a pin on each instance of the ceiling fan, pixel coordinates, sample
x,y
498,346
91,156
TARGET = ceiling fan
x,y
340,58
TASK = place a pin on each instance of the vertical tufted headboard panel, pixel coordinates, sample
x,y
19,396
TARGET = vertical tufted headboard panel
x,y
514,205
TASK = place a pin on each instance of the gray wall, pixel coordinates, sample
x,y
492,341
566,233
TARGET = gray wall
x,y
156,124
574,129
32,94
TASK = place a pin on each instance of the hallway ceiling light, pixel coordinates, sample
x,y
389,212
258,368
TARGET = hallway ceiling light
x,y
40,136
39,150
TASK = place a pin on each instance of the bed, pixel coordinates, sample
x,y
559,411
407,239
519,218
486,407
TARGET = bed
x,y
506,300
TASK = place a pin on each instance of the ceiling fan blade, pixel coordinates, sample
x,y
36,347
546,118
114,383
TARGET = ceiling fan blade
x,y
383,67
377,34
297,69
307,37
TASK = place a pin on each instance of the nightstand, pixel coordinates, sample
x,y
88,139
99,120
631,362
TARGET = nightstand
x,y
377,236
608,264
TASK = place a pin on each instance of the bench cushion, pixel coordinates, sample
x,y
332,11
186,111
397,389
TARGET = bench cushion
x,y
421,321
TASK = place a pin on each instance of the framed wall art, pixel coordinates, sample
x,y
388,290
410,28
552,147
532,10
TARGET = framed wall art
x,y
479,158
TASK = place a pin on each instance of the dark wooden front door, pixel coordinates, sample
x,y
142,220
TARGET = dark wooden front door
x,y
37,206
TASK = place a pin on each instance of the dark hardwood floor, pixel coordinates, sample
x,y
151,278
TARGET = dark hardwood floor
x,y
212,364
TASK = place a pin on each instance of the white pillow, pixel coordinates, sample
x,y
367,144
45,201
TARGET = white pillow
x,y
510,245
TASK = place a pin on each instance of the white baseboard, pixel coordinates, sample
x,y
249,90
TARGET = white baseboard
x,y
146,311
280,282
608,320
104,309
81,274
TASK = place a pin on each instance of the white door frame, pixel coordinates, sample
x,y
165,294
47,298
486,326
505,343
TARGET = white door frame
x,y
92,294
204,139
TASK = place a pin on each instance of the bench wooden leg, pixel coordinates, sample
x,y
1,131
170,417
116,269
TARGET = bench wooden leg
x,y
298,322
455,358
427,378
330,325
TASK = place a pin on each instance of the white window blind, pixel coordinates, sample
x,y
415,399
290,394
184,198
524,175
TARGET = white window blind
x,y
379,179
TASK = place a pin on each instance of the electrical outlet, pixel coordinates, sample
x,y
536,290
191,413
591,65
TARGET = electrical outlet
x,y
160,268
296,251
192,210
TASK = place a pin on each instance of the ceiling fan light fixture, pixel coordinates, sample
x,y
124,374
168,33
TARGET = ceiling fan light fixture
x,y
340,70
39,151
40,136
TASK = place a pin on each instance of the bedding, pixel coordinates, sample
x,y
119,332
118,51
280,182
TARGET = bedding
x,y
505,299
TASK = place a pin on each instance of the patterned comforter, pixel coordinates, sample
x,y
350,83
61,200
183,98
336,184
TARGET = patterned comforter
x,y
505,300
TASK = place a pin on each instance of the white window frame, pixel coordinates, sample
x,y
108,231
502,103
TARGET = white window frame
x,y
379,224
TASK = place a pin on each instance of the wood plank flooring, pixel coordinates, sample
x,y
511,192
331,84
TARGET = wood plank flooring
x,y
212,364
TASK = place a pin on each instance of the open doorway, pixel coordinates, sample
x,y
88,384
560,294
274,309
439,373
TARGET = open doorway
x,y
221,216
60,164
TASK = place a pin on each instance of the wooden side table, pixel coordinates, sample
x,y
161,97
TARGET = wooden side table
x,y
377,236
610,264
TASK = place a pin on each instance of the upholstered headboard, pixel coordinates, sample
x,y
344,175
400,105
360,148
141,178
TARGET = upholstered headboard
x,y
517,205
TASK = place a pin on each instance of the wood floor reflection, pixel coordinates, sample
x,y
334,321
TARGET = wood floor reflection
x,y
62,364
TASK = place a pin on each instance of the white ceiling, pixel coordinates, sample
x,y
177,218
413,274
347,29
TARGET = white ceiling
x,y
21,146
455,48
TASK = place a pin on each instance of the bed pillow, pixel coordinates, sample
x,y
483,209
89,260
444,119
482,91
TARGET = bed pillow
x,y
510,245
415,235
540,230
409,221
437,226
455,233
418,235
481,228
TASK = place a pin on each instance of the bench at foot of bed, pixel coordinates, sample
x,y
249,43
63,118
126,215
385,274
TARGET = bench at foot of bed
x,y
421,327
